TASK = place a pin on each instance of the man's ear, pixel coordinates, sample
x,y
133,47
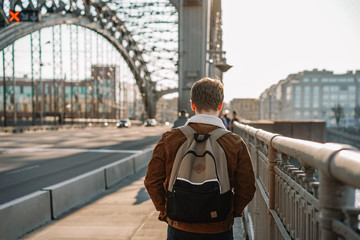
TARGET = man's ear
x,y
220,106
192,105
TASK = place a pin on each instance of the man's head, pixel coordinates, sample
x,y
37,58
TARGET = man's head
x,y
207,95
182,113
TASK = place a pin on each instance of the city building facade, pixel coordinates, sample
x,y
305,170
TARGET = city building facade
x,y
314,94
167,110
246,108
51,101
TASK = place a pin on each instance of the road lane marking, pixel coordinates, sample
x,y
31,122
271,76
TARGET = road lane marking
x,y
22,169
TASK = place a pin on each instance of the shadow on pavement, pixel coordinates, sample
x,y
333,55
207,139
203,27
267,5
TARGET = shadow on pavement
x,y
142,196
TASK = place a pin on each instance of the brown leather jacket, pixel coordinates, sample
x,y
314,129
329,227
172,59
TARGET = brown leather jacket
x,y
241,175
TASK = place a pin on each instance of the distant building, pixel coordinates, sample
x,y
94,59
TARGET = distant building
x,y
167,110
42,101
246,108
313,95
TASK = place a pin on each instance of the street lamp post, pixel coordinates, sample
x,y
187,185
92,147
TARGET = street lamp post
x,y
40,84
217,60
4,89
41,87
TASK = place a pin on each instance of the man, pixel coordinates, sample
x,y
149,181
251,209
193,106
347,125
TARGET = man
x,y
181,120
207,97
226,119
234,119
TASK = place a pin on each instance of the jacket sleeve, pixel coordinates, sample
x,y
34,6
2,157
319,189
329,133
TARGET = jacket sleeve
x,y
155,177
244,185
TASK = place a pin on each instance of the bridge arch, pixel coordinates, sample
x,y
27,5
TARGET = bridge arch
x,y
94,15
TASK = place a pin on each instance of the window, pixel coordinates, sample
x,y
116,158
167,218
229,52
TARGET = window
x,y
288,93
297,96
316,96
326,88
342,96
324,80
334,88
351,96
307,96
278,93
306,80
315,80
343,88
341,79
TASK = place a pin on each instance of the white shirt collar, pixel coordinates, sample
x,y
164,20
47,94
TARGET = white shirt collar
x,y
207,119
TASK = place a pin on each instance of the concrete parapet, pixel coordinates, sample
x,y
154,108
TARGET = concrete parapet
x,y
29,212
24,214
23,129
117,171
142,159
76,191
77,124
312,130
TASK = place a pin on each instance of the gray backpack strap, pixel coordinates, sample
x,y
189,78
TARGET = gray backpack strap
x,y
187,131
218,133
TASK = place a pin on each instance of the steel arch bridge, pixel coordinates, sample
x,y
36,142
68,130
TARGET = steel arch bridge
x,y
95,15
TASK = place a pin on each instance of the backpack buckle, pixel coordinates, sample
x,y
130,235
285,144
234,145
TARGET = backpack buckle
x,y
199,138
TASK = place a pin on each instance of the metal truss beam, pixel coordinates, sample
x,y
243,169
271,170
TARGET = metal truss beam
x,y
161,93
95,15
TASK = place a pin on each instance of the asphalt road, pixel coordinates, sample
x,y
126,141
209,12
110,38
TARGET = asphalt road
x,y
32,161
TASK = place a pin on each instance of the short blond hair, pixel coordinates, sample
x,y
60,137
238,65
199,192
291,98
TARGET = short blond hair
x,y
207,94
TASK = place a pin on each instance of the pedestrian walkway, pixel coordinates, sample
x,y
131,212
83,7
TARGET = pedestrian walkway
x,y
125,212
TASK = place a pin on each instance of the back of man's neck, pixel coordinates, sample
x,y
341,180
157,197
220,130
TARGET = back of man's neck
x,y
211,113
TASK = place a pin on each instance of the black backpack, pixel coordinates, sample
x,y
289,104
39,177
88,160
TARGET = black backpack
x,y
199,186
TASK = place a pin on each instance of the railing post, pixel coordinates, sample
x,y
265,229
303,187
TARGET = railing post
x,y
272,162
256,208
332,197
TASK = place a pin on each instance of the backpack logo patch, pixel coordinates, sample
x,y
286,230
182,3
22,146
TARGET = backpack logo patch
x,y
199,168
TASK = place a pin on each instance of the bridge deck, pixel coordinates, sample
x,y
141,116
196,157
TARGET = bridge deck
x,y
125,212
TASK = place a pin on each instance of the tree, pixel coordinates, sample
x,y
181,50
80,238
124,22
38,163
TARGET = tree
x,y
338,112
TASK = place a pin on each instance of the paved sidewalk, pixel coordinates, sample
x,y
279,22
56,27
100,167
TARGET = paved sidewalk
x,y
125,212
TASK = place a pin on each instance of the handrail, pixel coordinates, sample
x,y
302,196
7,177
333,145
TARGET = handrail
x,y
307,187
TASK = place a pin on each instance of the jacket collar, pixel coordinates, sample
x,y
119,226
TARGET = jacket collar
x,y
206,119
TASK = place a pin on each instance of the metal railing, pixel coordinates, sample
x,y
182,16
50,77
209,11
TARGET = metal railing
x,y
305,190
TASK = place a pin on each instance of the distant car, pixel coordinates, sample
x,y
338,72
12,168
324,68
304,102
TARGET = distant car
x,y
150,123
124,123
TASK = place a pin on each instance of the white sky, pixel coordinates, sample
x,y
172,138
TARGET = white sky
x,y
266,41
